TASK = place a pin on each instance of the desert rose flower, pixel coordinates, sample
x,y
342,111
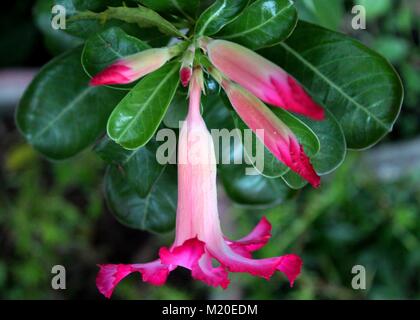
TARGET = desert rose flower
x,y
273,132
261,77
199,239
133,67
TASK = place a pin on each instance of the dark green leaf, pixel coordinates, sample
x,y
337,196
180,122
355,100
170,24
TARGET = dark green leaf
x,y
59,113
262,24
137,117
140,166
142,16
220,13
187,8
332,143
293,180
102,49
177,110
346,77
154,212
252,190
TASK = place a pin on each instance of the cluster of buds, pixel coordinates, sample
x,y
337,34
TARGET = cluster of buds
x,y
249,80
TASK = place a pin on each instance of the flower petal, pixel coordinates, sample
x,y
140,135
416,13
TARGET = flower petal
x,y
290,265
261,77
133,67
185,255
110,275
275,134
204,271
256,239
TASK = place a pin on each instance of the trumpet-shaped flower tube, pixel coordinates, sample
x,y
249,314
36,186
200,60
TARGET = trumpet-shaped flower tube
x,y
133,67
199,239
261,77
273,132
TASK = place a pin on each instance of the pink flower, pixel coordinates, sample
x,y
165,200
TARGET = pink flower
x,y
187,63
199,239
133,67
274,133
261,77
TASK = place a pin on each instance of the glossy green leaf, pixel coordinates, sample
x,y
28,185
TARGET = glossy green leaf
x,y
219,14
332,142
177,110
262,24
136,118
252,190
92,24
142,16
154,212
60,114
187,8
293,180
273,168
102,49
140,166
346,77
326,13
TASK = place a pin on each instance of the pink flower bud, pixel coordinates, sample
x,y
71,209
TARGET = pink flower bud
x,y
261,77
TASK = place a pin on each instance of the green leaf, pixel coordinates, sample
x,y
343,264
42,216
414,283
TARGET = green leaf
x,y
252,190
154,212
187,8
346,77
293,180
178,109
262,24
142,16
333,149
59,113
102,49
220,13
273,168
326,13
140,166
136,118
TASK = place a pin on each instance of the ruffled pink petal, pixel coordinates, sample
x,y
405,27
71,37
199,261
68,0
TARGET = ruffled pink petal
x,y
110,275
290,265
185,255
204,271
256,239
235,262
117,73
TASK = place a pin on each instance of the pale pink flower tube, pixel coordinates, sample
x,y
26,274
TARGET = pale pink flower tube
x,y
199,238
261,77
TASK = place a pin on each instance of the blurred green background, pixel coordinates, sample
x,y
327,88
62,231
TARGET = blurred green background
x,y
366,213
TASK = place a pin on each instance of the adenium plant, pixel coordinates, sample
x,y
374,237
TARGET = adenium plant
x,y
306,93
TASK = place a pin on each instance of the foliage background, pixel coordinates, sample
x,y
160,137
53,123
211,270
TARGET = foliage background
x,y
366,213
